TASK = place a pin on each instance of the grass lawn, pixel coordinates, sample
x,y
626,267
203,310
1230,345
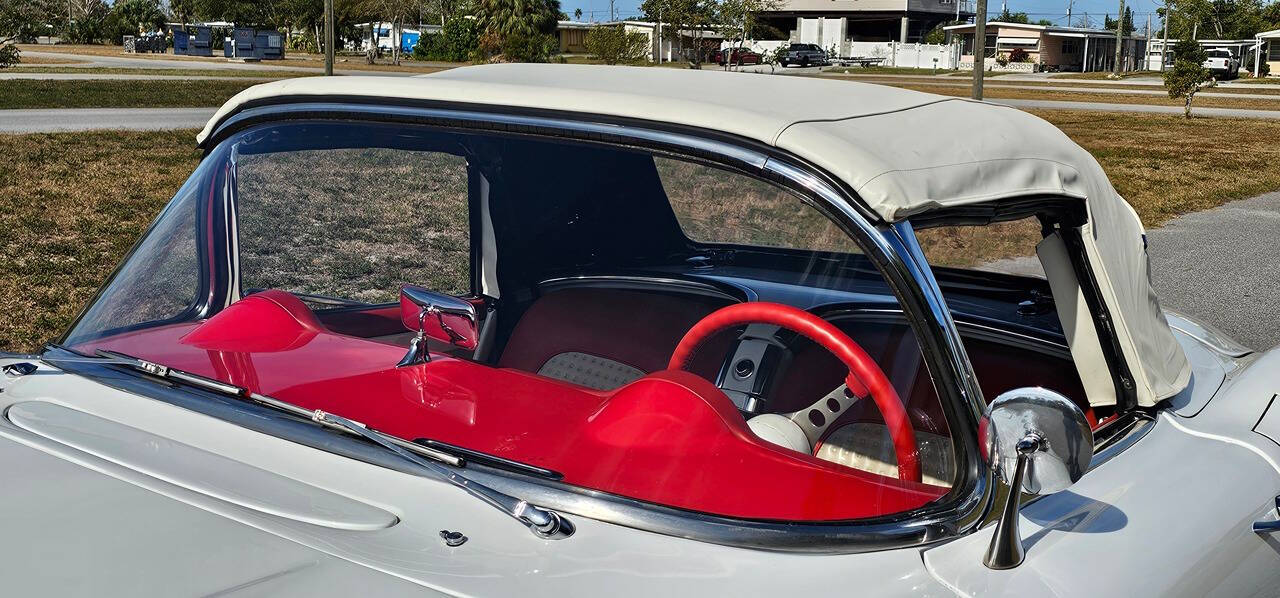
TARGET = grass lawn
x,y
24,59
71,204
1030,93
1104,75
220,73
1084,86
113,94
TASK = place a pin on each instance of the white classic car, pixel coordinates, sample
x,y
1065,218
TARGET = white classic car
x,y
558,330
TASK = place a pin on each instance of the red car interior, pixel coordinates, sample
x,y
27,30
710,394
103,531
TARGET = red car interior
x,y
671,437
864,378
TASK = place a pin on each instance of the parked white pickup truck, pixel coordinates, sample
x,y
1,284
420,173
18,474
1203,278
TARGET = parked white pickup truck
x,y
1222,63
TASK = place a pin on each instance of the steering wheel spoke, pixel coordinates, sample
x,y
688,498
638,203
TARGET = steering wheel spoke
x,y
817,418
865,378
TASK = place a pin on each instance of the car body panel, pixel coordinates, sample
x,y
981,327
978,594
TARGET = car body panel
x,y
1180,501
138,528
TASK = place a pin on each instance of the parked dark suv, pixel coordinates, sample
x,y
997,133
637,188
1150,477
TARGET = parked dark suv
x,y
803,55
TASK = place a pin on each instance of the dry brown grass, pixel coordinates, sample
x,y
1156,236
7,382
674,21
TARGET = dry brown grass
x,y
27,59
193,73
97,93
1085,86
71,204
1006,93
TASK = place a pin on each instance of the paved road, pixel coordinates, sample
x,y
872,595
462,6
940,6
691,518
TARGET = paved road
x,y
85,119
1221,266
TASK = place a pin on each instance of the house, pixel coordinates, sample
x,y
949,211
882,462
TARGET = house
x,y
1240,48
833,24
1268,45
667,47
1050,47
572,36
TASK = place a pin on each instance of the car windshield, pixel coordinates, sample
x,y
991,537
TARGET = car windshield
x,y
287,265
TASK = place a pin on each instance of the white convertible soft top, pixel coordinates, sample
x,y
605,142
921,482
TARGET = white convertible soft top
x,y
903,152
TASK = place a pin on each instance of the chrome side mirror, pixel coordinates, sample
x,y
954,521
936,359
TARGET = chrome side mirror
x,y
1038,442
436,316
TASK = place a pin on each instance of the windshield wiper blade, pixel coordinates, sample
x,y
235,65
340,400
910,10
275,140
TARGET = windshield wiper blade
x,y
175,375
544,523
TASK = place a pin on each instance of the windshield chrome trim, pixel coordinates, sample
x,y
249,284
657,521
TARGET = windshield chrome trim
x,y
955,514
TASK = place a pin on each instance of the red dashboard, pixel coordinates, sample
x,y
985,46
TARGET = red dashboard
x,y
670,438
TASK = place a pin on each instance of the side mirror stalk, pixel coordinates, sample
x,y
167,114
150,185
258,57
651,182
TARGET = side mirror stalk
x,y
1037,442
1005,551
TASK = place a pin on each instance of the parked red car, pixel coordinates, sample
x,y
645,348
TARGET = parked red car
x,y
738,56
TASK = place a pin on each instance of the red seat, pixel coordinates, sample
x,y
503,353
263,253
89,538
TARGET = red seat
x,y
628,331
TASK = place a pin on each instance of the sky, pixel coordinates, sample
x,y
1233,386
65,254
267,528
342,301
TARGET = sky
x,y
1054,10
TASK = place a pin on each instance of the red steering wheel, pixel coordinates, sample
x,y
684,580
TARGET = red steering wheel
x,y
864,375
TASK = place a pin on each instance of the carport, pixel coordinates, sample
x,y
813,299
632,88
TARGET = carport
x,y
1266,43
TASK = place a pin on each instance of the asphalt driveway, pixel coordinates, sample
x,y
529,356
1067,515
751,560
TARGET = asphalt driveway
x,y
1219,266
1223,266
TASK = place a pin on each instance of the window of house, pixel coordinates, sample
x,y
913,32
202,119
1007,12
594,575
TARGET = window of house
x,y
1069,46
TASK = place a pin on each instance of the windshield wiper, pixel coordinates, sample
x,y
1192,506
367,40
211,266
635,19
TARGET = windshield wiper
x,y
544,523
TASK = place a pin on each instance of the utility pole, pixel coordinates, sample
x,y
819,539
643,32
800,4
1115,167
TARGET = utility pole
x,y
611,14
1147,37
1115,70
328,38
1069,3
1164,45
979,46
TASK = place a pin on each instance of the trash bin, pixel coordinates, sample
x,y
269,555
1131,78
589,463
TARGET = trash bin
x,y
228,47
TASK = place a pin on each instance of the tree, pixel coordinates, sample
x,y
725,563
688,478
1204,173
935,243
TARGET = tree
x,y
518,30
614,44
23,20
937,35
1012,17
1045,23
739,20
1110,24
1188,74
457,41
527,17
577,14
678,16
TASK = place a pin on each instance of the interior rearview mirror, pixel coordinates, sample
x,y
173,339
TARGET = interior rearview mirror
x,y
436,316
1038,442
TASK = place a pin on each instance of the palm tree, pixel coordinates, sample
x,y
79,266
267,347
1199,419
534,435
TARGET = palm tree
x,y
518,17
577,14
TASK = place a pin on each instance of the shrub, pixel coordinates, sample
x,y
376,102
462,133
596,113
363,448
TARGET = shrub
x,y
1002,59
614,44
520,47
1019,55
9,55
458,41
